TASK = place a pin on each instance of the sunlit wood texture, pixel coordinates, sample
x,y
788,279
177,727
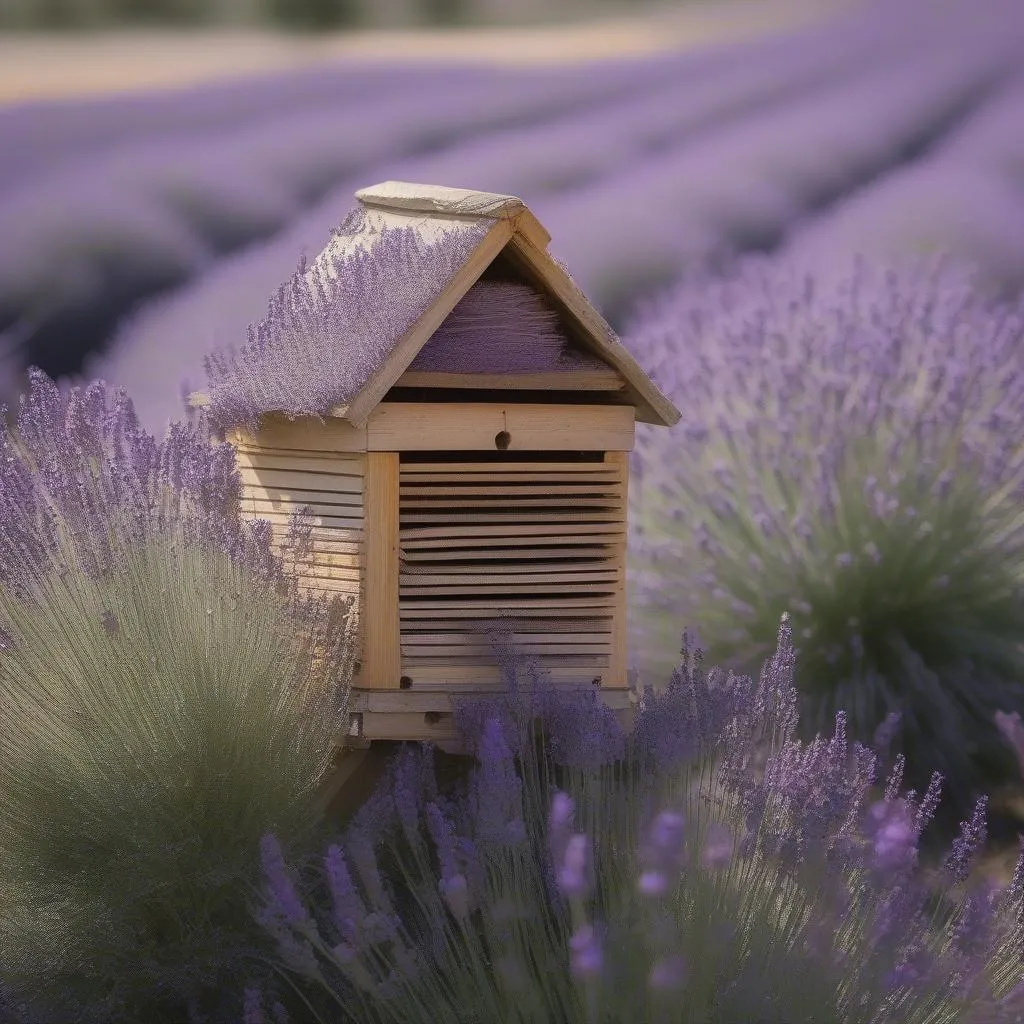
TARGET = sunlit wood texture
x,y
381,662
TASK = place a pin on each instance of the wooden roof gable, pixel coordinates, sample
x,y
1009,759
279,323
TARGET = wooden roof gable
x,y
466,231
432,209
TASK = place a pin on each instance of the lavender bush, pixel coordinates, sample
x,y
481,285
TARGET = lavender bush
x,y
167,696
710,867
850,453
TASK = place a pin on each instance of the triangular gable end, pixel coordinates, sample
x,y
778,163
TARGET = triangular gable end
x,y
520,240
506,332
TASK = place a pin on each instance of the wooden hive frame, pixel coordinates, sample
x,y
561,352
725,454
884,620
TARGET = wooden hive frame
x,y
445,500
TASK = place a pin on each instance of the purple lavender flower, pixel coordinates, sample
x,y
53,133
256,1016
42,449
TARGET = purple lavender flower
x,y
574,873
347,905
292,361
966,846
282,890
845,455
662,855
668,974
586,955
894,839
253,1008
496,790
454,859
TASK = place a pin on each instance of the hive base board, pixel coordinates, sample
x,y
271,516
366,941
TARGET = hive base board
x,y
428,714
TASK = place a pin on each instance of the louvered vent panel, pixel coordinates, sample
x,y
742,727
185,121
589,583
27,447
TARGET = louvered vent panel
x,y
276,481
529,538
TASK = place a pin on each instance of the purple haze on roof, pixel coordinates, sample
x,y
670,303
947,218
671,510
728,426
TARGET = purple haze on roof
x,y
329,329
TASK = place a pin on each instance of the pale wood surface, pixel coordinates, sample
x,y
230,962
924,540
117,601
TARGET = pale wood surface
x,y
303,438
617,665
331,489
423,198
422,426
381,667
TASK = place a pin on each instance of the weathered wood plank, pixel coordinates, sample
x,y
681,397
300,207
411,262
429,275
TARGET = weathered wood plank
x,y
412,426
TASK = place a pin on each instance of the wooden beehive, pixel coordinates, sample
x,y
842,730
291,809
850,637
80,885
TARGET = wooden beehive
x,y
480,474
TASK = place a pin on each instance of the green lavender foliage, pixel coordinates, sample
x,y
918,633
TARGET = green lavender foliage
x,y
165,697
710,869
851,453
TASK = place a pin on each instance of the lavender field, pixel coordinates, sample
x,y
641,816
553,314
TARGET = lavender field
x,y
813,242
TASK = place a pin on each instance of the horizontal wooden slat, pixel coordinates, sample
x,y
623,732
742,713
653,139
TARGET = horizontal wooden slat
x,y
423,520
322,552
301,480
351,521
440,506
337,503
258,505
412,554
505,587
423,426
264,459
330,573
468,489
495,606
471,574
327,538
582,380
305,434
507,472
328,588
597,625
411,649
471,531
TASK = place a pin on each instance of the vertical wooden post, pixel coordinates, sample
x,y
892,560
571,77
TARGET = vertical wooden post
x,y
382,660
617,663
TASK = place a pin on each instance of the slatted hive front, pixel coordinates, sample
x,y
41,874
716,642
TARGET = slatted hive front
x,y
538,536
277,481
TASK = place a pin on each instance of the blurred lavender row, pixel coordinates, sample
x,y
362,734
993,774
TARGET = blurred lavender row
x,y
112,226
853,133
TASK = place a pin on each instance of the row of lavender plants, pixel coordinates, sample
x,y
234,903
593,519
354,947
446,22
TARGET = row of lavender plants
x,y
170,702
634,191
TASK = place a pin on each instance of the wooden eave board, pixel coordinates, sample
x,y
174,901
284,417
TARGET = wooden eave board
x,y
473,426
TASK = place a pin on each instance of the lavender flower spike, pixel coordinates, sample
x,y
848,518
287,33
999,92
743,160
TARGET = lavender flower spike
x,y
285,898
